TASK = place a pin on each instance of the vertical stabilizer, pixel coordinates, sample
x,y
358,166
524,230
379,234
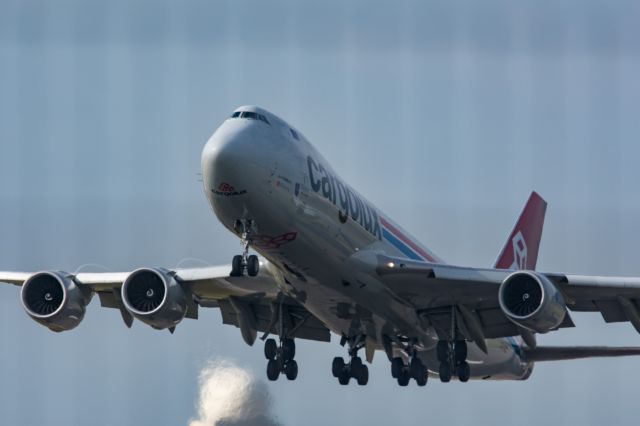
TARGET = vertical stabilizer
x,y
521,249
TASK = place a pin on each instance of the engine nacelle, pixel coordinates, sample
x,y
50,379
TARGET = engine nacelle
x,y
531,301
154,297
54,300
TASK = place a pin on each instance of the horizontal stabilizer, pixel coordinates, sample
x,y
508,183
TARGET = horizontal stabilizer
x,y
561,353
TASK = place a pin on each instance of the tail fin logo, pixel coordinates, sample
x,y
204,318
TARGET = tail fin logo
x,y
519,252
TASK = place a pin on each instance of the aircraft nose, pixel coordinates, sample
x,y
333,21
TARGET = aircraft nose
x,y
218,151
226,157
220,157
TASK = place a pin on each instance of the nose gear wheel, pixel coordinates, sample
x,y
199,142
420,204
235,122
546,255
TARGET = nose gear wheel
x,y
244,262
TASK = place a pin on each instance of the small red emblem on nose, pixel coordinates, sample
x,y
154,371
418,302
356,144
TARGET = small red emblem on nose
x,y
225,187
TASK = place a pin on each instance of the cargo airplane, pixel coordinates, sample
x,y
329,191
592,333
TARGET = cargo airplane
x,y
333,263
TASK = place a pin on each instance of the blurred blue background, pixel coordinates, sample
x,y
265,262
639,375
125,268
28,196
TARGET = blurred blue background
x,y
445,114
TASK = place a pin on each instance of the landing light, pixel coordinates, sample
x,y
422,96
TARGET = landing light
x,y
391,265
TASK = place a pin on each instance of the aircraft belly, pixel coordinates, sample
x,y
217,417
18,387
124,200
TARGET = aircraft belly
x,y
312,265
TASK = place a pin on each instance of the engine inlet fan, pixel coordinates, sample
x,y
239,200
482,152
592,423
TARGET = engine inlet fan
x,y
523,296
146,291
44,295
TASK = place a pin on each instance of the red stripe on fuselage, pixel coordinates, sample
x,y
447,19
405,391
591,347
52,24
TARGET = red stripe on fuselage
x,y
406,240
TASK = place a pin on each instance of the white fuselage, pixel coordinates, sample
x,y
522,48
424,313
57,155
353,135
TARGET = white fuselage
x,y
312,227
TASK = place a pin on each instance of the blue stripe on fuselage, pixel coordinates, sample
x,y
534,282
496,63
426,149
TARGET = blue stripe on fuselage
x,y
400,245
516,347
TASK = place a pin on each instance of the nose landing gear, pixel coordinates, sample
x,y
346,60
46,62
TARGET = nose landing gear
x,y
244,261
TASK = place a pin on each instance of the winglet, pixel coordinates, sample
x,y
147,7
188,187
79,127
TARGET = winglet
x,y
521,249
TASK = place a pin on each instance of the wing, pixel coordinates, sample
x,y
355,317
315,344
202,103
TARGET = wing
x,y
471,295
560,353
254,304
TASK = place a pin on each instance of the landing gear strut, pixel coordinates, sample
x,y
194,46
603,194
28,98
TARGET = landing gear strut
x,y
453,360
355,368
244,261
415,369
281,359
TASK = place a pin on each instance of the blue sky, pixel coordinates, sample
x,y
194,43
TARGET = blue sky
x,y
444,114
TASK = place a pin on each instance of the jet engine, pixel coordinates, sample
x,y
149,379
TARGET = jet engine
x,y
531,301
154,297
54,300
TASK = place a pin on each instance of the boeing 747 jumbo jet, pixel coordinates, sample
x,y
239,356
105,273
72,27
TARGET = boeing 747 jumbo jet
x,y
331,262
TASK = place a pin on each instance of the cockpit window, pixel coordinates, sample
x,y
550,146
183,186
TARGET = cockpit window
x,y
294,134
250,115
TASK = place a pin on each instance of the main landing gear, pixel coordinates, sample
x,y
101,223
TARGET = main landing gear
x,y
244,261
453,360
354,369
415,369
281,359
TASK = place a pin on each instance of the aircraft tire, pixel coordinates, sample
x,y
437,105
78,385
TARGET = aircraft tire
x,y
253,265
416,368
337,366
291,369
443,350
445,372
460,351
288,349
344,377
356,367
273,370
363,376
422,380
270,349
236,266
464,372
397,365
403,378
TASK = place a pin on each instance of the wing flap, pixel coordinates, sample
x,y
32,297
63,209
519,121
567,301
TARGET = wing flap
x,y
611,311
301,323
